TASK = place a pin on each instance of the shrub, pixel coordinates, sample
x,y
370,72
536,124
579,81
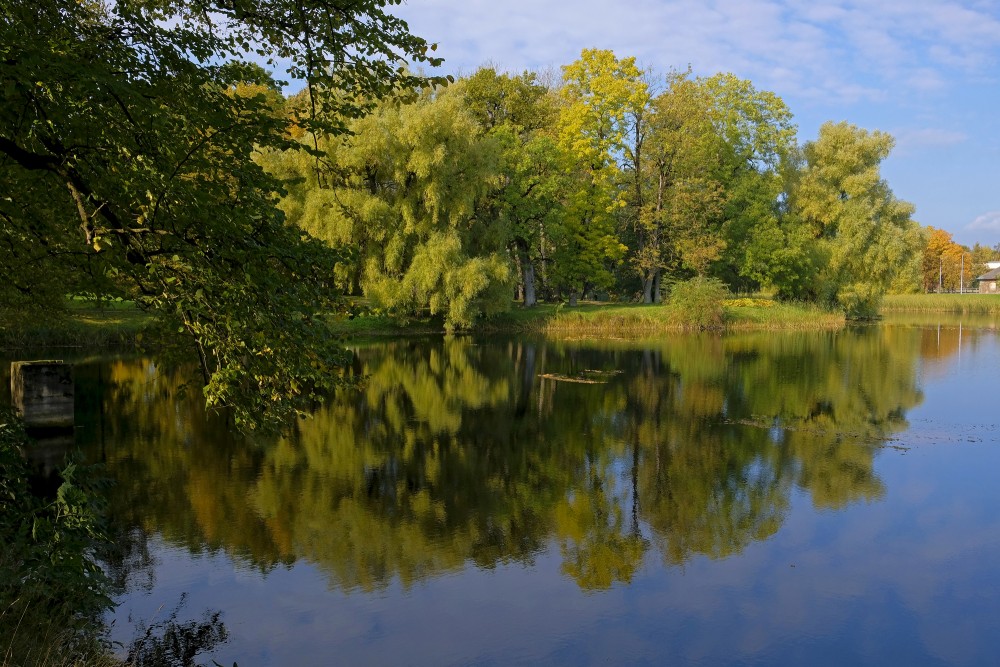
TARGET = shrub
x,y
699,302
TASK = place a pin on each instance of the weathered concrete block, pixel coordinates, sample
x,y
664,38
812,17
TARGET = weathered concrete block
x,y
42,391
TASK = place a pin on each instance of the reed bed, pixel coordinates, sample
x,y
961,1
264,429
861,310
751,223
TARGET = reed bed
x,y
630,320
987,304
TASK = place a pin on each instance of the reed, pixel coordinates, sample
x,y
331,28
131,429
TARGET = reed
x,y
616,320
942,303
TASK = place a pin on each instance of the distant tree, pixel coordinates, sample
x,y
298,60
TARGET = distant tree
x,y
944,262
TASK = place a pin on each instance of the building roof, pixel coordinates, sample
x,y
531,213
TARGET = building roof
x,y
990,275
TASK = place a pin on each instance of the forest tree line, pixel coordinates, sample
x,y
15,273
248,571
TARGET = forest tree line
x,y
611,183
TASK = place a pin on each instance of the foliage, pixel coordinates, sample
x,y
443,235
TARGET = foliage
x,y
52,590
945,264
399,199
598,95
519,114
864,234
127,132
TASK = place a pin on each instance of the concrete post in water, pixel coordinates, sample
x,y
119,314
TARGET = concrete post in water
x,y
42,392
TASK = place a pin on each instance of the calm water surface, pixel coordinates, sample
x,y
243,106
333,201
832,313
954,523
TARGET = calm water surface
x,y
792,498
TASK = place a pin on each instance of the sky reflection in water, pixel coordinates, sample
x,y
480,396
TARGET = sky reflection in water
x,y
761,498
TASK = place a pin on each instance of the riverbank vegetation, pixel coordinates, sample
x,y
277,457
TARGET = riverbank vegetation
x,y
80,323
943,303
52,591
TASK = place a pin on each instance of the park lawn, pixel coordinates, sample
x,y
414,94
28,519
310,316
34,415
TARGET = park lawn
x,y
85,323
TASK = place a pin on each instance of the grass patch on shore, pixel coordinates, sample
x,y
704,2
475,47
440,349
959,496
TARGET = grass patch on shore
x,y
598,319
942,303
87,323
82,324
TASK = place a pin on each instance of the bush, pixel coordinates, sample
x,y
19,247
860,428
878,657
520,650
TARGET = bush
x,y
699,302
52,591
861,305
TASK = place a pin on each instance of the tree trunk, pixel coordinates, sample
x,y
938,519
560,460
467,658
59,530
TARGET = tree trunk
x,y
529,284
519,288
572,299
657,292
527,270
647,289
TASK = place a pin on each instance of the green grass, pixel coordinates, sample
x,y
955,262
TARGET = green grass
x,y
83,324
87,323
596,319
942,303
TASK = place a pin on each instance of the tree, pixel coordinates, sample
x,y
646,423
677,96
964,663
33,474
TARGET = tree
x,y
131,158
680,175
946,265
864,234
756,129
403,194
599,94
519,114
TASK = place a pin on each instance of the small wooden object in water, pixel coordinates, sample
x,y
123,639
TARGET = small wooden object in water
x,y
42,392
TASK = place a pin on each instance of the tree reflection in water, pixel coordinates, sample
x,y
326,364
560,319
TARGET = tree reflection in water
x,y
460,451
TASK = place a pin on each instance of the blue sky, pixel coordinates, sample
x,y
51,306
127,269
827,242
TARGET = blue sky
x,y
925,71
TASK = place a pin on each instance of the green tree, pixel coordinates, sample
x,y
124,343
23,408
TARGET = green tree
x,y
681,179
757,131
865,235
403,198
600,94
130,154
519,114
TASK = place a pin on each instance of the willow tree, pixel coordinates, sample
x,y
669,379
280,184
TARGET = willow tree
x,y
127,169
401,197
865,236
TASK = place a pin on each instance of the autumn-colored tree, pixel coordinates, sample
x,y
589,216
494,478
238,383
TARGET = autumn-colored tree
x,y
946,266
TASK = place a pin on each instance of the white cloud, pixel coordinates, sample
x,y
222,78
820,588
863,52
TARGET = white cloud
x,y
911,141
988,221
847,47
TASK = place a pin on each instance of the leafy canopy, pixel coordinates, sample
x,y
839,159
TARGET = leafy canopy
x,y
127,135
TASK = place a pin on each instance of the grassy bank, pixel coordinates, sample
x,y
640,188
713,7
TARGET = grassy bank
x,y
594,319
942,303
83,324
90,324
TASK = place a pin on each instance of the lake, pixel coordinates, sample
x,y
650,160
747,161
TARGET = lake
x,y
779,498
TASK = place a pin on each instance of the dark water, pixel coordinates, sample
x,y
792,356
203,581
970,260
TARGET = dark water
x,y
792,498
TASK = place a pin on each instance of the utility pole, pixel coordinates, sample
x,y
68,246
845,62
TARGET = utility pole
x,y
961,279
940,274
